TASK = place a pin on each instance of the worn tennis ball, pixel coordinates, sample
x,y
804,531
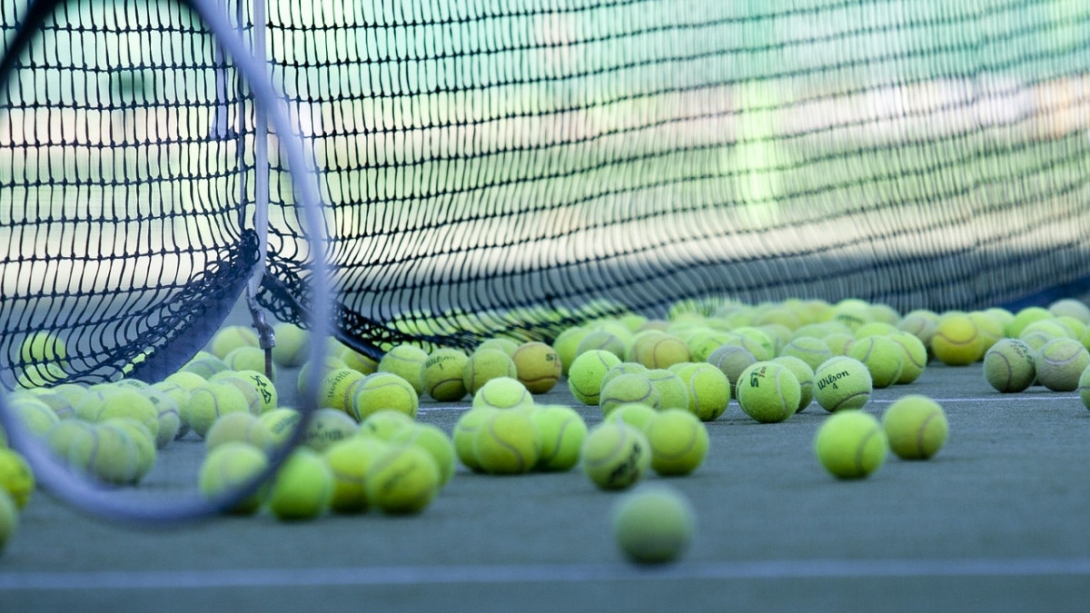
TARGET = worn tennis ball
x,y
842,383
327,365
507,443
989,328
805,378
326,427
60,437
61,406
1060,363
503,393
254,403
883,358
383,391
292,345
628,388
384,425
915,426
229,338
1084,388
653,525
281,422
302,488
566,344
615,455
249,358
169,415
623,368
360,362
920,323
266,390
338,387
708,390
229,467
239,427
9,519
407,362
484,365
132,405
435,442
663,351
768,392
142,440
505,345
703,343
913,356
731,360
586,374
562,432
678,440
634,414
443,376
16,478
348,462
465,431
851,444
36,416
212,400
1010,366
957,341
108,454
602,340
205,367
538,366
403,480
673,392
812,351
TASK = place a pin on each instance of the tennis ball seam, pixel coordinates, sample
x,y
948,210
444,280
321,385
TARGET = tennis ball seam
x,y
505,444
542,459
862,449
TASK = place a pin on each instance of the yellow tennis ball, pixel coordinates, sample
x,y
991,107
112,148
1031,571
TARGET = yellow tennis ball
x,y
59,404
465,431
142,440
913,356
36,416
349,462
484,365
1010,366
883,358
673,392
851,444
1024,318
504,345
16,478
842,383
635,415
108,454
839,343
990,329
731,360
403,480
132,405
212,400
626,389
601,340
337,389
385,424
566,344
653,525
253,397
292,345
562,432
169,415
229,467
303,487
42,347
678,440
61,437
239,427
915,426
326,427
538,366
265,388
1060,363
443,375
957,341
805,378
615,455
407,362
920,323
586,374
507,443
768,392
229,338
355,360
326,365
249,358
281,423
1084,388
624,368
812,351
503,393
708,390
205,367
435,442
663,351
9,519
383,391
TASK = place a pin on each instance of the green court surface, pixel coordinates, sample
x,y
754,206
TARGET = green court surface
x,y
995,522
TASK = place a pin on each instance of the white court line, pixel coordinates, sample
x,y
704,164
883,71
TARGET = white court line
x,y
560,573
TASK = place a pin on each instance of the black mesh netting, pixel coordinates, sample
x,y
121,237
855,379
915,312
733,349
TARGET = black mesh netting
x,y
511,166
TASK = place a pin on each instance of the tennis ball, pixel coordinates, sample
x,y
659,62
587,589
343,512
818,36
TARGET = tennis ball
x,y
302,488
61,436
253,397
229,338
1070,307
9,519
326,427
673,392
1010,366
39,347
623,368
920,323
703,344
385,424
169,415
1060,363
708,390
851,444
990,329
663,351
601,340
211,401
357,361
59,404
805,378
281,422
383,391
634,414
443,375
205,367
731,360
142,440
465,431
504,345
349,462
407,362
403,480
915,426
768,392
626,389
507,443
678,440
812,351
132,405
874,328
108,454
327,365
566,344
229,467
265,388
883,358
842,383
586,373
503,393
1024,318
615,455
248,358
653,525
484,365
16,478
35,416
239,427
562,432
634,348
839,344
435,442
292,345
913,356
337,388
1084,388
538,366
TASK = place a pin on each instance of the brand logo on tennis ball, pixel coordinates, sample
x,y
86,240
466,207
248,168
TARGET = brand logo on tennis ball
x,y
756,376
437,359
831,380
628,466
